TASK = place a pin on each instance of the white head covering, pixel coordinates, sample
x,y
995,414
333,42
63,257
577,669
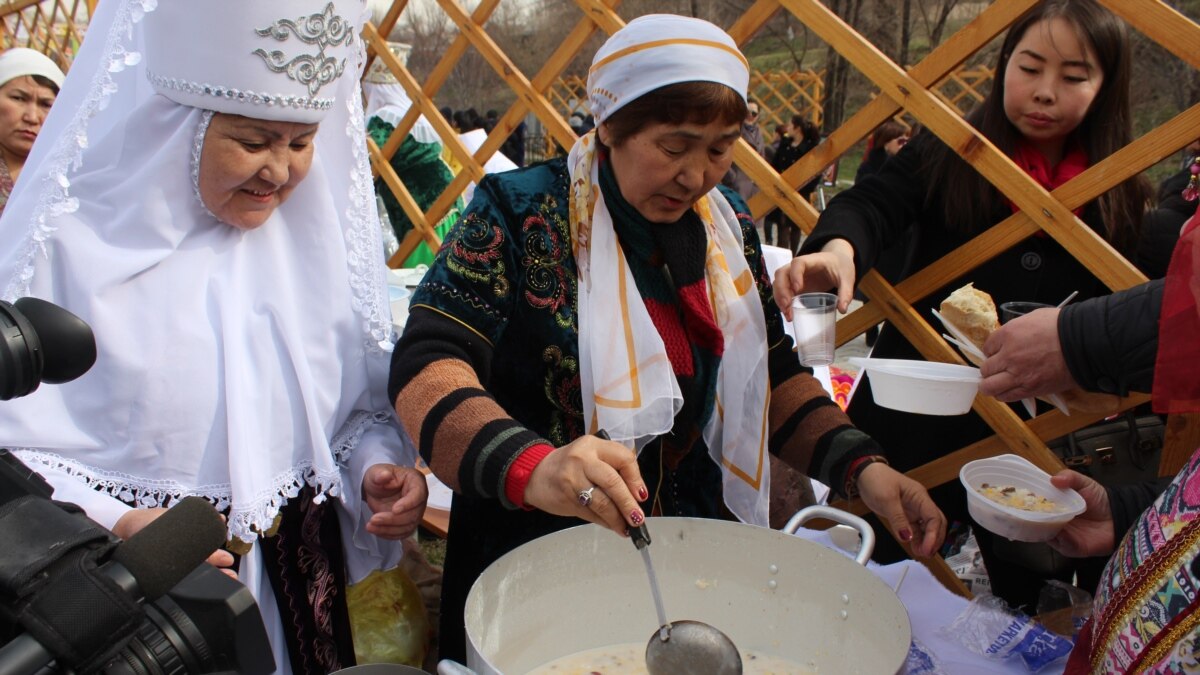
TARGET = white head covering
x,y
388,101
21,61
655,50
279,61
237,365
629,387
378,72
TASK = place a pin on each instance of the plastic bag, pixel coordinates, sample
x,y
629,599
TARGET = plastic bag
x,y
388,619
989,627
921,660
1063,608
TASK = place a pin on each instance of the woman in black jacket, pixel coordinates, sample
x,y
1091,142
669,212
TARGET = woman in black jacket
x,y
886,140
795,140
1060,102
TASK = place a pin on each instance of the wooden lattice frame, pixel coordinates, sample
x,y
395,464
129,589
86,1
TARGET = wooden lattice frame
x,y
917,94
52,27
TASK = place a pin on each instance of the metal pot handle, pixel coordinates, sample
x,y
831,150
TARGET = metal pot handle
x,y
865,533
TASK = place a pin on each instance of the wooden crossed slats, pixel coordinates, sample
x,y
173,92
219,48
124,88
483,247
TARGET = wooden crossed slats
x,y
912,92
53,27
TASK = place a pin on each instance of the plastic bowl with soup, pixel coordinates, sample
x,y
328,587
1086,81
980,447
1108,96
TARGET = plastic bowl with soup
x,y
1012,497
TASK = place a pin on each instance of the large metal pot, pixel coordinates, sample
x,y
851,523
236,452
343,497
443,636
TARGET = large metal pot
x,y
585,588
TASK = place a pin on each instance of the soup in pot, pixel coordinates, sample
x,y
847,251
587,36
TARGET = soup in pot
x,y
630,659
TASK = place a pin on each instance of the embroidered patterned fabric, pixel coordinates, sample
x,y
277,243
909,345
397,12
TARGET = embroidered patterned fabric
x,y
1144,614
284,69
842,382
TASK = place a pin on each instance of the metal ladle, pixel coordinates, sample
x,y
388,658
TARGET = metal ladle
x,y
691,647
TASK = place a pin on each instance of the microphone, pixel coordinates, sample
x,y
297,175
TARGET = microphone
x,y
145,567
170,547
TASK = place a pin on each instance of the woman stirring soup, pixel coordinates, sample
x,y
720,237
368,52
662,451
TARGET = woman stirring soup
x,y
620,290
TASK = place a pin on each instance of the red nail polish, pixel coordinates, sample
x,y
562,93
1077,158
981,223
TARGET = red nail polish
x,y
905,534
643,494
636,518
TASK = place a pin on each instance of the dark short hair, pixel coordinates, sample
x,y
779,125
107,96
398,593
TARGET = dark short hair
x,y
46,82
684,102
40,80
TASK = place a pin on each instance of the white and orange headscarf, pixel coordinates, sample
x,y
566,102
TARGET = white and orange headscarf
x,y
629,388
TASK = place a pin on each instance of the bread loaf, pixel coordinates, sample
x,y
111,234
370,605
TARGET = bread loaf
x,y
972,312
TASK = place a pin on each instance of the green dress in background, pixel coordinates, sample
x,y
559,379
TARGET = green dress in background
x,y
423,171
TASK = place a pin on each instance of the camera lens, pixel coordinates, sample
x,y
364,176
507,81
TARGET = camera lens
x,y
167,643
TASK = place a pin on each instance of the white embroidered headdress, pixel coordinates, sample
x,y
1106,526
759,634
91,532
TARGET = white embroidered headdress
x,y
236,365
283,61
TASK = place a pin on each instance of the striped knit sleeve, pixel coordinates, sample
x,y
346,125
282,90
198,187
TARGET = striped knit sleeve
x,y
466,437
811,433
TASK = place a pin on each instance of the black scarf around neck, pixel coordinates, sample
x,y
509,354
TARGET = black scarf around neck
x,y
667,261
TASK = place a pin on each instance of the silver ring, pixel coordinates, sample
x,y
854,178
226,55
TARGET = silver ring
x,y
585,497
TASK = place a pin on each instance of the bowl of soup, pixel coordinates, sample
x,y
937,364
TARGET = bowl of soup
x,y
579,600
1012,497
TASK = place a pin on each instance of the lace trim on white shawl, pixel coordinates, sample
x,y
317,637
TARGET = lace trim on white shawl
x,y
206,118
244,521
363,238
55,199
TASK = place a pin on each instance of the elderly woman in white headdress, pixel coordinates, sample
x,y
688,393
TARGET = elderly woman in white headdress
x,y
206,207
29,83
619,290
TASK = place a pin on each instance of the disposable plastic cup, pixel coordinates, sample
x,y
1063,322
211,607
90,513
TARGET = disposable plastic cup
x,y
813,320
1011,310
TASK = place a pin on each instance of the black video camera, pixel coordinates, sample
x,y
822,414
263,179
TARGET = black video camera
x,y
73,597
81,602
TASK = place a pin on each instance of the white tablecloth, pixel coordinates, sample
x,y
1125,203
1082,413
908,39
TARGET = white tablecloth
x,y
930,607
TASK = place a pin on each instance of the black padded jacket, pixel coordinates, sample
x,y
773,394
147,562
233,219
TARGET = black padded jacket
x,y
1109,342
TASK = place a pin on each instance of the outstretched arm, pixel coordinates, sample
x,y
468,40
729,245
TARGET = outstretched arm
x,y
831,267
906,507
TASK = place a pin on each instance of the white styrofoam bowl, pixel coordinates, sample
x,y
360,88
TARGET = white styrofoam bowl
x,y
923,387
398,297
1008,521
406,276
